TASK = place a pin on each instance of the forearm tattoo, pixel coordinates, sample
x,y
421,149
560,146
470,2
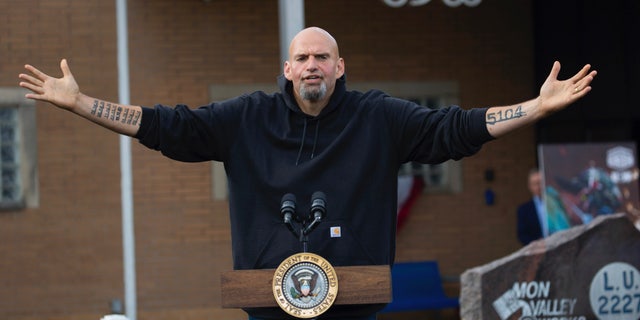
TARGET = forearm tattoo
x,y
505,115
115,112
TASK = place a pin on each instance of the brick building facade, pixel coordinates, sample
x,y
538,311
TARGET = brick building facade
x,y
62,257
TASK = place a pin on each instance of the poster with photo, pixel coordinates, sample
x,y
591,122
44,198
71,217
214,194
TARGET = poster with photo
x,y
584,180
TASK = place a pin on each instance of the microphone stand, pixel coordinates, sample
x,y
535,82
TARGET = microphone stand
x,y
305,229
304,232
304,239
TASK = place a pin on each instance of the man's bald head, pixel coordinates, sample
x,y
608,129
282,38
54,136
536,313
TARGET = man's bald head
x,y
314,32
313,66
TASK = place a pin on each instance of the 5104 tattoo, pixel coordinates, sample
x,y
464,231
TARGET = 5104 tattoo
x,y
505,115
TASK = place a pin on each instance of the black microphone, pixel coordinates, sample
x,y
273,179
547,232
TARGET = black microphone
x,y
318,205
288,207
318,210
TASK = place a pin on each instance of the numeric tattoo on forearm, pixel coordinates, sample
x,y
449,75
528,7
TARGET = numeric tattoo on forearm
x,y
118,112
115,112
107,112
100,109
505,115
131,117
94,109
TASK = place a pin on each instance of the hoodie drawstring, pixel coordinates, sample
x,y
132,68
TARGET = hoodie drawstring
x,y
315,139
304,135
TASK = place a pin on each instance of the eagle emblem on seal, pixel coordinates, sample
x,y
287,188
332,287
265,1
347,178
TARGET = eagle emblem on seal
x,y
304,283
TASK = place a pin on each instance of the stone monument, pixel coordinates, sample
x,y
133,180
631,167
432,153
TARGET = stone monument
x,y
586,272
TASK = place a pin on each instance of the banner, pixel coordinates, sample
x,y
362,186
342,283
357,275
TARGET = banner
x,y
409,189
584,180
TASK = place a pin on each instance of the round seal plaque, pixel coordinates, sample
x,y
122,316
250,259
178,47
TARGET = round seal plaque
x,y
305,285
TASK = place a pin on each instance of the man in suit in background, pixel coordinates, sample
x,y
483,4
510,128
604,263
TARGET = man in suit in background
x,y
531,217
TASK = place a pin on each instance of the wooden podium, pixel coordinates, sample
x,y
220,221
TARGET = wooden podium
x,y
357,285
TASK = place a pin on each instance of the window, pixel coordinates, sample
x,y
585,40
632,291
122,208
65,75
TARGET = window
x,y
445,177
10,184
442,177
18,171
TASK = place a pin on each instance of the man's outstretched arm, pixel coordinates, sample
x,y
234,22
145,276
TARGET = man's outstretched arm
x,y
555,95
65,94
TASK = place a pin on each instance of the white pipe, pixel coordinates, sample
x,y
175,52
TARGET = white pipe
x,y
291,22
128,239
291,14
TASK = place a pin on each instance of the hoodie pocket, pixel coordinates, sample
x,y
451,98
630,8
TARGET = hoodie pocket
x,y
280,244
336,241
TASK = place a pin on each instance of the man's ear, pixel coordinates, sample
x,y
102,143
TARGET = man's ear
x,y
287,70
340,68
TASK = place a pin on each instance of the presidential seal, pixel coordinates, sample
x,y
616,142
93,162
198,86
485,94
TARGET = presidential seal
x,y
305,285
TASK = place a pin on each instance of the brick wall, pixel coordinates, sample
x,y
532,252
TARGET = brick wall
x,y
63,259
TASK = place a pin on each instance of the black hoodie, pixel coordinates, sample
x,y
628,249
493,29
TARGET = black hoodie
x,y
351,151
